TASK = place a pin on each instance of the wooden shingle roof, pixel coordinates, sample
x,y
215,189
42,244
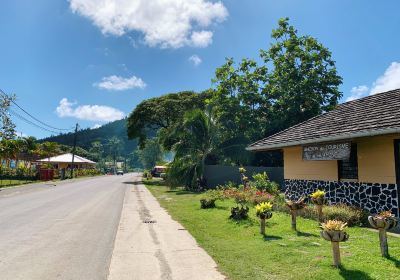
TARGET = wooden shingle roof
x,y
372,115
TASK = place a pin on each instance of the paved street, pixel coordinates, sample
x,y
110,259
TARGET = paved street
x,y
65,231
93,229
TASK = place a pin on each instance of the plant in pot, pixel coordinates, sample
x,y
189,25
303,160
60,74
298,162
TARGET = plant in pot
x,y
383,221
318,199
294,206
263,211
241,196
334,231
209,197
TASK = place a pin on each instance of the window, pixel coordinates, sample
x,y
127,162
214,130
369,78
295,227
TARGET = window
x,y
348,169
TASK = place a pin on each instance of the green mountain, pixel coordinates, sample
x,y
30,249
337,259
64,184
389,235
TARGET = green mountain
x,y
86,137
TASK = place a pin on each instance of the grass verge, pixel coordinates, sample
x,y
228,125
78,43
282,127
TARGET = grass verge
x,y
242,253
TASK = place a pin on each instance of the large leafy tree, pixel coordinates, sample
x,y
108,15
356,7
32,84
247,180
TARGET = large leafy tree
x,y
296,80
303,81
162,112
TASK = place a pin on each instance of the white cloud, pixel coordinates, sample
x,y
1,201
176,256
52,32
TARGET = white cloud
x,y
166,23
358,92
88,112
119,83
201,39
96,126
195,59
389,80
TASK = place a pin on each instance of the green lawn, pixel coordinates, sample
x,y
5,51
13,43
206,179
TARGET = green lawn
x,y
242,253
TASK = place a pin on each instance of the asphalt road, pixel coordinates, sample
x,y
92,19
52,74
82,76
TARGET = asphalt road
x,y
65,231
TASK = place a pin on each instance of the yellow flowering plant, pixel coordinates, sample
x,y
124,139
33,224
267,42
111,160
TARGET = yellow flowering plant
x,y
318,194
334,225
263,207
318,197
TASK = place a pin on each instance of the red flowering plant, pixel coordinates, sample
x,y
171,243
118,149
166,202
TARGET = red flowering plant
x,y
261,196
242,196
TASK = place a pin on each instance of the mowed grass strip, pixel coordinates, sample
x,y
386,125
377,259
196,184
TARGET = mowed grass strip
x,y
242,253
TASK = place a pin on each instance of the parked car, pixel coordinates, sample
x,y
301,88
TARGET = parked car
x,y
120,172
158,170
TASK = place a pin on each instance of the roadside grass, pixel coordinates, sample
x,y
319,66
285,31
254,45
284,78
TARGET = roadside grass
x,y
12,182
242,253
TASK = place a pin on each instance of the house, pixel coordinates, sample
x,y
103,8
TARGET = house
x,y
351,152
64,161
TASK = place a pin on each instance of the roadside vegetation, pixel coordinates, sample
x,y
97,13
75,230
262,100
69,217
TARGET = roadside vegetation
x,y
291,81
241,252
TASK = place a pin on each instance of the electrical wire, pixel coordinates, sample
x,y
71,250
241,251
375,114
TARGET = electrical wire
x,y
31,123
49,127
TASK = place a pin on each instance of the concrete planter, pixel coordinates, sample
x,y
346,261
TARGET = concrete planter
x,y
335,236
264,216
382,224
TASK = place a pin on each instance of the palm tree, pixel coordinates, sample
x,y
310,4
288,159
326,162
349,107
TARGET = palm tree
x,y
196,138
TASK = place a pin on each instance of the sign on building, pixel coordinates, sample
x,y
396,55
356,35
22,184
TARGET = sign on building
x,y
332,151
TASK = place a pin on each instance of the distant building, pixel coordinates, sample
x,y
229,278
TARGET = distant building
x,y
64,162
352,152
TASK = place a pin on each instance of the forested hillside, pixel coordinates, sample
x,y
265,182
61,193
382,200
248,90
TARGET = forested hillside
x,y
103,134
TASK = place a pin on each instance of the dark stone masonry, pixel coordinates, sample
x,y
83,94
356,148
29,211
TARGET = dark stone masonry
x,y
372,197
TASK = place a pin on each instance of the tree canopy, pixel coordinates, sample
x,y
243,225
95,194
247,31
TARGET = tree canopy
x,y
161,112
296,80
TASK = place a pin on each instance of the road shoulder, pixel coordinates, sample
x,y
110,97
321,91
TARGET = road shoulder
x,y
150,245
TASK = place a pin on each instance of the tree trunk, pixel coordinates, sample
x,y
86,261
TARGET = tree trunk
x,y
383,243
336,254
262,226
294,214
319,211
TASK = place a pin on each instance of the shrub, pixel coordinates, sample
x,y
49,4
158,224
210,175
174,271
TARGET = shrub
x,y
261,182
147,175
261,196
209,197
351,215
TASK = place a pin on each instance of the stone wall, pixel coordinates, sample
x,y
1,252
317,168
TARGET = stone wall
x,y
372,197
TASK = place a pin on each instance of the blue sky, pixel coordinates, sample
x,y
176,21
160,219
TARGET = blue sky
x,y
95,60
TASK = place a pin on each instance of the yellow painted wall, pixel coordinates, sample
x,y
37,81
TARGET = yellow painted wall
x,y
375,162
297,168
376,159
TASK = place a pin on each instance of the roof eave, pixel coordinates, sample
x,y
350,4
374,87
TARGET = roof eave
x,y
358,134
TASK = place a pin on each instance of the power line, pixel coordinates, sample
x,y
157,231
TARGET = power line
x,y
36,119
31,123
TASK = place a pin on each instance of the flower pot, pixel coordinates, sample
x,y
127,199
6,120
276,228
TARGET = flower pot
x,y
383,224
239,213
294,206
335,236
264,216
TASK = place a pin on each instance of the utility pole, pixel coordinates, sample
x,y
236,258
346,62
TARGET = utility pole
x,y
73,151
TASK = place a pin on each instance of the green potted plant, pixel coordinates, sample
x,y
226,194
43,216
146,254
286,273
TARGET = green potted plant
x,y
209,197
294,206
383,221
318,199
263,211
242,197
334,231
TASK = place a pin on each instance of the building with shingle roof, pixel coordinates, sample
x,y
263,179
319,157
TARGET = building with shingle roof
x,y
352,152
